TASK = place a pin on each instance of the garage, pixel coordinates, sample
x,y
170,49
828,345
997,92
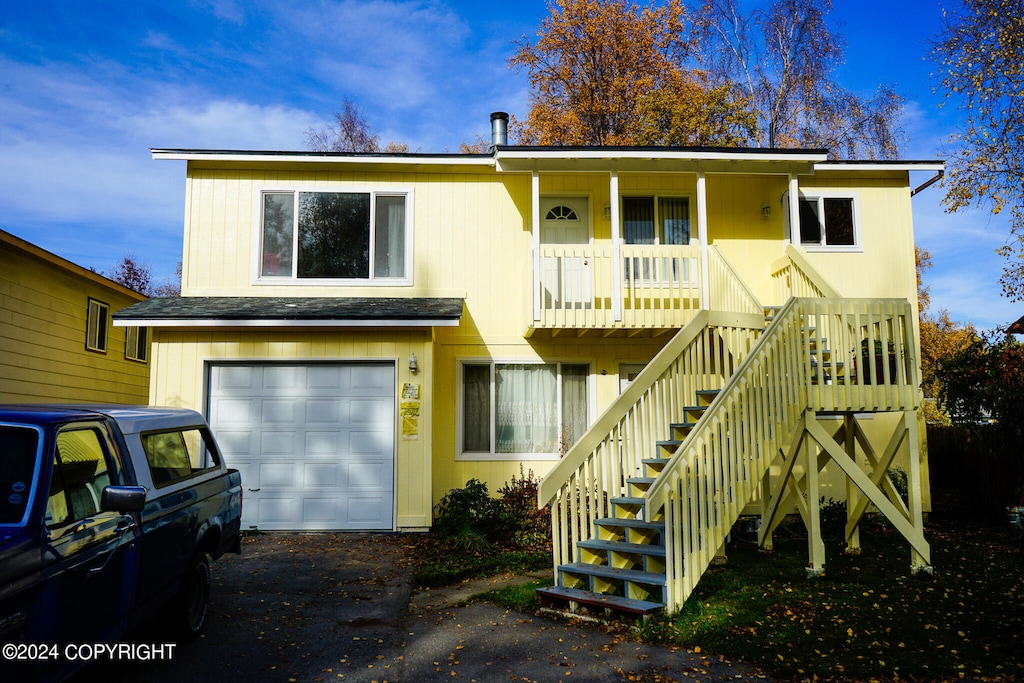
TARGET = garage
x,y
315,442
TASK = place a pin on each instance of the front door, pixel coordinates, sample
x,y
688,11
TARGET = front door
x,y
567,273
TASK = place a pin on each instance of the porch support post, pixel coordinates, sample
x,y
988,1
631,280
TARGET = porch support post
x,y
535,234
794,210
815,544
850,442
616,248
918,561
702,235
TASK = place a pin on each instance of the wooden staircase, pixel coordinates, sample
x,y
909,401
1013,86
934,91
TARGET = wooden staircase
x,y
622,569
637,521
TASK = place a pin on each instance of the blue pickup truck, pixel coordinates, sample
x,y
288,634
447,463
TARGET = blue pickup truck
x,y
107,514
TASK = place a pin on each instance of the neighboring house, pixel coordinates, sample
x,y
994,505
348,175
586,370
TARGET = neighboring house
x,y
57,343
368,331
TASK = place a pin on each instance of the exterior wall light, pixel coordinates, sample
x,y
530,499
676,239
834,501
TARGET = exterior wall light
x,y
414,367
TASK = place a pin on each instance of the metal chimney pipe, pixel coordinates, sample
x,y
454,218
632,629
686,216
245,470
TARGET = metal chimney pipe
x,y
499,129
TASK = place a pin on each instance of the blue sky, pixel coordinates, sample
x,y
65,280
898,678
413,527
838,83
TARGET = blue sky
x,y
86,91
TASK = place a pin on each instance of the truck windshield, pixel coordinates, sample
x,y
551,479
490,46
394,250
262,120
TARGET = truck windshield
x,y
19,447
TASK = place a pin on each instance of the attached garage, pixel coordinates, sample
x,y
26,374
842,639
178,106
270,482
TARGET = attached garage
x,y
315,442
304,396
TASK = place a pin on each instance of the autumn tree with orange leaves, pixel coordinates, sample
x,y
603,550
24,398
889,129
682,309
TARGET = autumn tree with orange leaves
x,y
609,72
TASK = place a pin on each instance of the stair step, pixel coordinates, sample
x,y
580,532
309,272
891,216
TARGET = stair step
x,y
622,547
656,462
641,481
612,522
591,599
604,571
628,500
693,413
706,396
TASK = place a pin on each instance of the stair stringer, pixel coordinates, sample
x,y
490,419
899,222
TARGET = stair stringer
x,y
720,465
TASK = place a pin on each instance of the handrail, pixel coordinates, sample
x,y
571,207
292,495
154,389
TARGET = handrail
x,y
614,413
717,469
594,470
729,292
811,283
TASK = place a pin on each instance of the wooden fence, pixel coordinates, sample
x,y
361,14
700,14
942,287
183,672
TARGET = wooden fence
x,y
983,465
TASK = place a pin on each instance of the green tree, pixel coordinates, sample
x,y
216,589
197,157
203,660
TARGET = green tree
x,y
610,72
980,53
783,56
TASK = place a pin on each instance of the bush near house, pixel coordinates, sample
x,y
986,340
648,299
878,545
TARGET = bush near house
x,y
475,534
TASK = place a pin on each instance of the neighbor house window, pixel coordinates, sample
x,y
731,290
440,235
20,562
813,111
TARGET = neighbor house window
x,y
656,220
136,343
96,322
828,221
334,235
522,408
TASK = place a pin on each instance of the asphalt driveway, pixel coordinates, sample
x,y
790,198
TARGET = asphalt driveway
x,y
328,607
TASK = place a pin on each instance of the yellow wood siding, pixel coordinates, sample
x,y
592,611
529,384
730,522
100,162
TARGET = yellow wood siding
x,y
471,238
603,356
180,361
43,312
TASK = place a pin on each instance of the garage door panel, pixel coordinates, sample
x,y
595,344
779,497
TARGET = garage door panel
x,y
231,411
364,512
322,476
316,441
369,476
370,443
280,411
323,411
364,411
278,475
284,377
277,444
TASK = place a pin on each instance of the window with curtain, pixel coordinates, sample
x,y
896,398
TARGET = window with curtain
x,y
656,220
522,408
334,235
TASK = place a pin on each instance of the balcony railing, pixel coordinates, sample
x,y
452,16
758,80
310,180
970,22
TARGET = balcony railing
x,y
582,287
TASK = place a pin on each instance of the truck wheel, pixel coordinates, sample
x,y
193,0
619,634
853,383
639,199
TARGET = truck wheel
x,y
194,598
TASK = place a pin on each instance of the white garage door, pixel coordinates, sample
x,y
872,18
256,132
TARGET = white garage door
x,y
315,443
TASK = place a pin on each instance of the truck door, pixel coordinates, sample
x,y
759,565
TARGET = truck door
x,y
93,578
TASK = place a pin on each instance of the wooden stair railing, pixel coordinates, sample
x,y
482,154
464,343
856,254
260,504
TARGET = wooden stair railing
x,y
635,530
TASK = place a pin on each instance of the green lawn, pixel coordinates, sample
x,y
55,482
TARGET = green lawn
x,y
867,618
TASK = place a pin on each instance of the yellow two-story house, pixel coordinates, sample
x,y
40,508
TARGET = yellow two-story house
x,y
368,331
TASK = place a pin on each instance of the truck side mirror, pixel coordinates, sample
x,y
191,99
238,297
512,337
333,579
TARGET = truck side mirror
x,y
123,498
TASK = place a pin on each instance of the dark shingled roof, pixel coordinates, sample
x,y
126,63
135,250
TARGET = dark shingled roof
x,y
191,308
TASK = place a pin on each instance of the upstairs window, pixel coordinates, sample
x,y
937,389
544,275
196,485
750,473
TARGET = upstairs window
x,y
334,235
656,220
97,318
828,222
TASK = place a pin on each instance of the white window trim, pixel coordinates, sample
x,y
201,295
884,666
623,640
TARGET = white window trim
x,y
691,202
373,190
92,342
820,195
462,362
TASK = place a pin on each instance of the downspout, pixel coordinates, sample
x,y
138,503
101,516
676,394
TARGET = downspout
x,y
931,181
